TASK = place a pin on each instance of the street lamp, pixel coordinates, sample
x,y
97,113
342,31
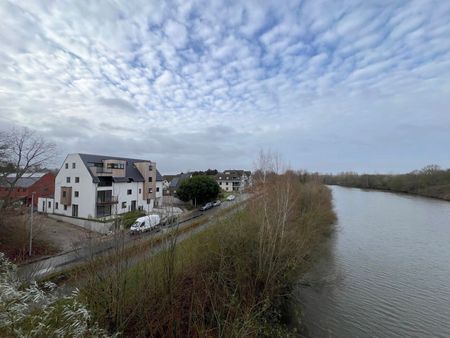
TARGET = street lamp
x,y
31,222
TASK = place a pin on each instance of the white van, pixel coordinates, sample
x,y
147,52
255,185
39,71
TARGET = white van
x,y
145,223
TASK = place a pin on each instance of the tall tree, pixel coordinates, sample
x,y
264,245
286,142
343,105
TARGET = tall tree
x,y
199,189
22,151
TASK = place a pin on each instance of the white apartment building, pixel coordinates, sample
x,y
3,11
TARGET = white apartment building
x,y
233,180
97,186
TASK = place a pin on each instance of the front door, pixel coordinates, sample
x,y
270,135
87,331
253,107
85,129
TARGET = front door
x,y
74,210
133,205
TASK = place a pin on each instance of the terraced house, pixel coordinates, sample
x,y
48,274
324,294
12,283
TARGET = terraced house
x,y
98,186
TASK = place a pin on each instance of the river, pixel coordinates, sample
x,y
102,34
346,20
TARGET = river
x,y
385,272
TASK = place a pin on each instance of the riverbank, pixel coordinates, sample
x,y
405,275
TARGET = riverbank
x,y
234,279
428,182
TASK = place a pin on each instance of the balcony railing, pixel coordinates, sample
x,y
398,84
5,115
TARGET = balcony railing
x,y
107,200
101,170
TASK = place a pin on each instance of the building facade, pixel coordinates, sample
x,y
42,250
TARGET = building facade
x,y
97,186
233,180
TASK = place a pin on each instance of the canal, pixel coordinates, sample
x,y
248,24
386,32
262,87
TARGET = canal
x,y
385,272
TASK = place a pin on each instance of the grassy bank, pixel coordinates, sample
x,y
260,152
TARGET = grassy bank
x,y
231,280
430,182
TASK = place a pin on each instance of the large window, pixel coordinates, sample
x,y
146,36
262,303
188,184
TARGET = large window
x,y
103,210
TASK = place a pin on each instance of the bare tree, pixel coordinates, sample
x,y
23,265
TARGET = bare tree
x,y
22,151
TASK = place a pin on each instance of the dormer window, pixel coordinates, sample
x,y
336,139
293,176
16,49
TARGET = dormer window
x,y
115,166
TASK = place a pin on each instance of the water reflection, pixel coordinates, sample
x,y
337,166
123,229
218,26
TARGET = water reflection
x,y
384,273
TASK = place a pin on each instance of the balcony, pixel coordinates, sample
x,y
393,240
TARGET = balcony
x,y
107,200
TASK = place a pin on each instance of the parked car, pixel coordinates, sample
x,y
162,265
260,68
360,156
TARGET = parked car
x,y
231,198
207,206
169,220
217,203
144,224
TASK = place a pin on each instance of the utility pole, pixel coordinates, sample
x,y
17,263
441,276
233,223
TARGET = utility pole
x,y
31,222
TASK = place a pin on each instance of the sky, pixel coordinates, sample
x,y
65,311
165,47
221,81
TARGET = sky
x,y
330,85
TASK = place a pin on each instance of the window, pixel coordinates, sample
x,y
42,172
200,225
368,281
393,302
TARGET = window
x,y
73,165
150,190
65,207
226,183
77,180
49,204
148,200
157,189
77,194
140,190
220,182
129,192
67,165
124,205
150,167
67,179
150,179
64,194
115,166
56,205
74,210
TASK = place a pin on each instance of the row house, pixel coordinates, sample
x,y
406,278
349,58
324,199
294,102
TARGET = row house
x,y
97,186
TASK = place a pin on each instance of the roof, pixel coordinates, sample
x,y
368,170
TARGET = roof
x,y
231,175
27,179
176,181
131,172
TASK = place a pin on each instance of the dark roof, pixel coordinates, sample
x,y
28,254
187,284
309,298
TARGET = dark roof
x,y
24,182
131,172
27,180
176,181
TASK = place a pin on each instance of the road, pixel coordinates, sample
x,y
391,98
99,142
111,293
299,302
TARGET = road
x,y
61,262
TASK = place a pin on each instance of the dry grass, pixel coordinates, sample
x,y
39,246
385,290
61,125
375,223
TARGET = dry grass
x,y
14,237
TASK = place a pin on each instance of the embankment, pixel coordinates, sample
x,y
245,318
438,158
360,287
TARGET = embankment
x,y
232,280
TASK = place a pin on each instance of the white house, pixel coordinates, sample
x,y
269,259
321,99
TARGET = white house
x,y
97,186
233,180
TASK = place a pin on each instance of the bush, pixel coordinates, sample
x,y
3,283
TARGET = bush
x,y
35,311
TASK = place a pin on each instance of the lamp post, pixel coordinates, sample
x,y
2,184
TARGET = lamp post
x,y
31,222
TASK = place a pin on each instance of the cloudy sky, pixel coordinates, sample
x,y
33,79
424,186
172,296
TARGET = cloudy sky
x,y
331,85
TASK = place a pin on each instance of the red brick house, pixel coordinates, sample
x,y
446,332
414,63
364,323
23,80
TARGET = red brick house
x,y
42,184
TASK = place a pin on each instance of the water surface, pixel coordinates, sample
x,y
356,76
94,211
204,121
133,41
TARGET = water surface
x,y
386,270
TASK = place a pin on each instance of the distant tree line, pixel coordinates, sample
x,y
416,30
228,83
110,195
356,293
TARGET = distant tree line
x,y
431,181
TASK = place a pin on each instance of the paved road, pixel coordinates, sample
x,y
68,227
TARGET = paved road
x,y
43,268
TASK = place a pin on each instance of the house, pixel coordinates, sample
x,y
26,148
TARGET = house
x,y
233,180
42,184
98,186
176,181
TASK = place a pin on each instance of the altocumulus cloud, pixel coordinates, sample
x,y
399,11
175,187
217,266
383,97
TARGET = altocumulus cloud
x,y
332,85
